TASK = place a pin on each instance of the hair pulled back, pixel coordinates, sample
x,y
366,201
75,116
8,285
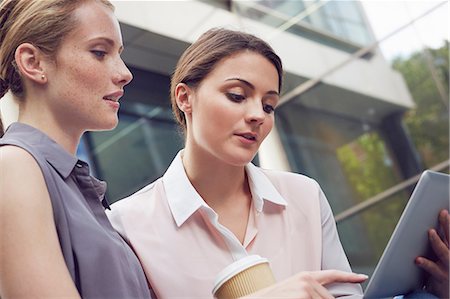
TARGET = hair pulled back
x,y
43,23
200,58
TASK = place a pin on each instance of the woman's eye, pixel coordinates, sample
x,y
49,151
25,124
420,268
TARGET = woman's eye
x,y
235,97
99,53
268,108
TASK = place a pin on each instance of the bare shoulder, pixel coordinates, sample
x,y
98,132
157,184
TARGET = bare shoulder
x,y
22,183
26,217
14,156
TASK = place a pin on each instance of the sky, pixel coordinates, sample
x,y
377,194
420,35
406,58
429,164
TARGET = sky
x,y
386,16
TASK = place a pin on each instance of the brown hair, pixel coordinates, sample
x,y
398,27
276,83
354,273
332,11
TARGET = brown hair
x,y
1,126
212,46
43,23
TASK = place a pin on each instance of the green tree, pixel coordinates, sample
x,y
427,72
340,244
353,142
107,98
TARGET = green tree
x,y
428,122
366,161
369,169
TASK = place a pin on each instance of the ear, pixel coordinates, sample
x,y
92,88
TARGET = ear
x,y
183,96
29,62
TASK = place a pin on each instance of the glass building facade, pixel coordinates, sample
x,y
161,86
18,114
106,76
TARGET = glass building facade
x,y
338,20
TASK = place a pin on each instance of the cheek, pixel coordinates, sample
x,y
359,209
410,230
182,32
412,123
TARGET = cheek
x,y
82,74
86,79
268,125
216,114
81,83
80,88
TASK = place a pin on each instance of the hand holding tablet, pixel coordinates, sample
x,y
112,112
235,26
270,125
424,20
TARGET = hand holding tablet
x,y
415,240
438,282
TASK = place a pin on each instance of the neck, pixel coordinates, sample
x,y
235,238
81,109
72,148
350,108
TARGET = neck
x,y
218,183
40,118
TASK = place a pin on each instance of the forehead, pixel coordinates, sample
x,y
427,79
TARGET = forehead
x,y
248,65
95,20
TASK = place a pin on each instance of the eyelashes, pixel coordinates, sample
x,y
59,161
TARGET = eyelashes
x,y
234,97
98,53
268,108
238,98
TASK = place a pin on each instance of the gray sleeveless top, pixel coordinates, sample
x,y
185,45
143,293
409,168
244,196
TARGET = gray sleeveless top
x,y
100,262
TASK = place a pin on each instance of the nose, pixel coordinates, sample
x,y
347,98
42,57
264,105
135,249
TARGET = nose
x,y
254,112
123,75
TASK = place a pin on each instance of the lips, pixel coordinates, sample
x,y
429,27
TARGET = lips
x,y
114,96
248,135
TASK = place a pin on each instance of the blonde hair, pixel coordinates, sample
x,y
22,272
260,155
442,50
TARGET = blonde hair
x,y
43,23
202,56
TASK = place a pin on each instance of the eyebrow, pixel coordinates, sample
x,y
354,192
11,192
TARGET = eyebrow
x,y
250,85
109,41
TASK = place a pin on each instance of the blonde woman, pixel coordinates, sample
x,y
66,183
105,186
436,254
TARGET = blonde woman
x,y
56,241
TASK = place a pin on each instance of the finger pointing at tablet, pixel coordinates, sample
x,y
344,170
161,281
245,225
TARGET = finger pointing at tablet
x,y
308,285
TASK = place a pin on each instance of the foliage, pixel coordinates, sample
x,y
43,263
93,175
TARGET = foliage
x,y
369,170
366,161
428,122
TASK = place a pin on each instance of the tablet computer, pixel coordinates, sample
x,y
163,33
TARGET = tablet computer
x,y
396,273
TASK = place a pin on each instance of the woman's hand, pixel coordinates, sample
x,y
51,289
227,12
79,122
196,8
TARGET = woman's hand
x,y
308,285
438,283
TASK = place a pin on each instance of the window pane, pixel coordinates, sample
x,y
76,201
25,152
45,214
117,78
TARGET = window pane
x,y
135,153
365,235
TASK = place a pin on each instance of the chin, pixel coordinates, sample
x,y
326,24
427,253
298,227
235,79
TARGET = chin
x,y
241,160
106,126
110,127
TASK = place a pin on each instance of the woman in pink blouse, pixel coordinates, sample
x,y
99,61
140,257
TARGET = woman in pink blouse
x,y
213,206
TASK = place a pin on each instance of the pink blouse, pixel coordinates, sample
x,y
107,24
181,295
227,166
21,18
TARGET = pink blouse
x,y
182,246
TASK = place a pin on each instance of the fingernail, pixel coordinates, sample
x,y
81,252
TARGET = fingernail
x,y
430,234
363,276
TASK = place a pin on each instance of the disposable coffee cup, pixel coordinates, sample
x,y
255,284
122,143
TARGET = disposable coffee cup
x,y
243,277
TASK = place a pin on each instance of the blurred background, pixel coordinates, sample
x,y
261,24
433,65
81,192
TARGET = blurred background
x,y
364,108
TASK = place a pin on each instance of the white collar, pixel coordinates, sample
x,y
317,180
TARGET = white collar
x,y
184,200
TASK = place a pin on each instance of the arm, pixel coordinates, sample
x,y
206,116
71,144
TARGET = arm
x,y
308,285
438,282
333,255
31,261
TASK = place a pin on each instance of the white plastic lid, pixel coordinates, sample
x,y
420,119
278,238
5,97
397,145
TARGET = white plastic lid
x,y
237,267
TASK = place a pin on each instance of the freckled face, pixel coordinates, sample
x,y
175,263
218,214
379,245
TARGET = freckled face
x,y
87,77
232,108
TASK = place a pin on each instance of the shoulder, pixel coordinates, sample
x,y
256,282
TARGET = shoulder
x,y
27,222
299,190
302,193
18,167
138,198
23,191
286,175
138,207
11,154
139,202
286,179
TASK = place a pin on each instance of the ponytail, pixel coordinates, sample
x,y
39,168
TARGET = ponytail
x,y
4,86
2,131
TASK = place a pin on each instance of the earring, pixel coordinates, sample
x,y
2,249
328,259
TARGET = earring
x,y
42,77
